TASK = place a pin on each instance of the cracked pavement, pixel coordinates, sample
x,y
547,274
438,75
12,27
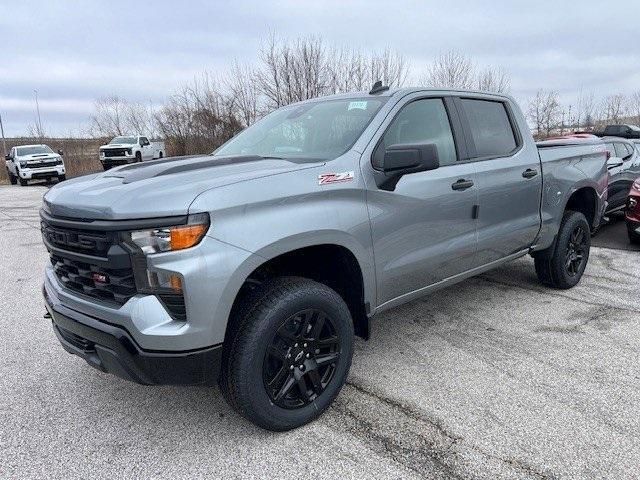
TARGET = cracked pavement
x,y
496,377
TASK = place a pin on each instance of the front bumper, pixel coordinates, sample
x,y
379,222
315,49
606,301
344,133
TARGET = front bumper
x,y
44,172
111,349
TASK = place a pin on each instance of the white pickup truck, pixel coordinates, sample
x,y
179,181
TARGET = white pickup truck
x,y
31,162
129,149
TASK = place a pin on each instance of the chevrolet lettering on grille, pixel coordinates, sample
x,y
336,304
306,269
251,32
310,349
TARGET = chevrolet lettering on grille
x,y
68,239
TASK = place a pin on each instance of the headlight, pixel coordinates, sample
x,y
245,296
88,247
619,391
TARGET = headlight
x,y
128,151
172,238
102,153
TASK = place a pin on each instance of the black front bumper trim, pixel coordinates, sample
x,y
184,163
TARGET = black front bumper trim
x,y
110,349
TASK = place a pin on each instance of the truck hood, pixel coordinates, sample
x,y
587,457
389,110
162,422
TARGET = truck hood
x,y
38,157
158,188
118,145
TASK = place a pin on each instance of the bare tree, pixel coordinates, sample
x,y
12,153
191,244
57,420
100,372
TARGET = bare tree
x,y
36,130
634,107
586,111
292,71
389,67
244,94
544,112
351,70
139,118
109,117
198,118
451,70
495,80
613,108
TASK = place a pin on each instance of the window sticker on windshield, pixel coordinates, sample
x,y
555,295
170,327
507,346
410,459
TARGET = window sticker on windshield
x,y
357,105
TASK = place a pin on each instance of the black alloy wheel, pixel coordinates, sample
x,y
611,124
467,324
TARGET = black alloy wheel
x,y
576,249
301,359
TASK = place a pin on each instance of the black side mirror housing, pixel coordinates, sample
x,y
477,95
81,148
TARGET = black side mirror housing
x,y
7,157
60,153
404,159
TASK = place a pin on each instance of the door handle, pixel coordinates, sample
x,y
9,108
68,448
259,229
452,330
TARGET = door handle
x,y
462,184
529,173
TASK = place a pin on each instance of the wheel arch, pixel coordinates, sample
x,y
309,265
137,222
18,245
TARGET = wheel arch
x,y
334,264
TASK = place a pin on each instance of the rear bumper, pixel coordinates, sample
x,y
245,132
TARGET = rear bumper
x,y
112,350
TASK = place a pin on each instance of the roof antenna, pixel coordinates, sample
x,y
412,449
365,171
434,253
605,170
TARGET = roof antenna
x,y
378,88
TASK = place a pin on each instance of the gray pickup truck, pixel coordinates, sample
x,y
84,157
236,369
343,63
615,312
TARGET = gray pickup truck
x,y
255,266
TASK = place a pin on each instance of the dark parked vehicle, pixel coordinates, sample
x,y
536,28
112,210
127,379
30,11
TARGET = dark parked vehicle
x,y
632,214
622,131
624,168
255,266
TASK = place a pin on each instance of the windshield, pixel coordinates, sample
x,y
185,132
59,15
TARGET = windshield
x,y
318,130
34,150
127,140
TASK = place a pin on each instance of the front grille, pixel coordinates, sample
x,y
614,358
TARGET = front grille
x,y
115,285
90,262
115,152
44,163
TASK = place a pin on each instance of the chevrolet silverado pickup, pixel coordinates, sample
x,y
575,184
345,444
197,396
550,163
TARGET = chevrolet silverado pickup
x,y
32,162
255,266
129,149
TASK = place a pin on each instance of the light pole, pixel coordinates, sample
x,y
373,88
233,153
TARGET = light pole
x,y
40,133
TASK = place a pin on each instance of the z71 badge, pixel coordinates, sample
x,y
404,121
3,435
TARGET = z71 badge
x,y
328,178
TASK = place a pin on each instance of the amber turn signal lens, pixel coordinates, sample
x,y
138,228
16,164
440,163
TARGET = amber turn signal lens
x,y
186,236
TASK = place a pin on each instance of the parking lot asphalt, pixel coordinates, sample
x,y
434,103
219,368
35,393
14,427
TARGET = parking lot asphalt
x,y
496,377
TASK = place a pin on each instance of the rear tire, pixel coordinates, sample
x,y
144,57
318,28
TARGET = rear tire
x,y
562,265
287,353
160,155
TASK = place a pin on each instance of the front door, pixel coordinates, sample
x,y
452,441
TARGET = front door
x,y
423,230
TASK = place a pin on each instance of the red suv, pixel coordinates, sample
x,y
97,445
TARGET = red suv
x,y
633,212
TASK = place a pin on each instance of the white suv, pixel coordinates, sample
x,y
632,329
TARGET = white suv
x,y
30,162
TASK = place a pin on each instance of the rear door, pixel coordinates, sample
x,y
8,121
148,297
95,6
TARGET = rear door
x,y
508,175
621,177
424,229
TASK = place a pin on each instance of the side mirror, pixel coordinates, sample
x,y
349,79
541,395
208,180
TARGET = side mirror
x,y
614,162
60,153
7,157
404,159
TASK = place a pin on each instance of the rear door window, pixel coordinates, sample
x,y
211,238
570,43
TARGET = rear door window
x,y
490,126
621,150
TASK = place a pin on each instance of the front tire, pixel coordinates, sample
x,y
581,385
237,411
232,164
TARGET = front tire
x,y
61,178
634,238
287,353
138,157
23,182
12,178
562,265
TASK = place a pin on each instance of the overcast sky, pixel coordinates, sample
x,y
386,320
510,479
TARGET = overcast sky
x,y
75,51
